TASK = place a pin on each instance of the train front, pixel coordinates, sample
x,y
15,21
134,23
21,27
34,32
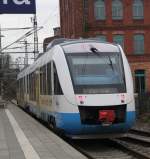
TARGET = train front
x,y
103,90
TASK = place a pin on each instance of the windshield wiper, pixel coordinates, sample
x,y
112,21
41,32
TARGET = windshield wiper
x,y
111,64
95,51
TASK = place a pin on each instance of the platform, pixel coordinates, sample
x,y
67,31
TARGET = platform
x,y
22,137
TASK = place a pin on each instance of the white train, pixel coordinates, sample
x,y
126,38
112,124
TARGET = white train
x,y
82,87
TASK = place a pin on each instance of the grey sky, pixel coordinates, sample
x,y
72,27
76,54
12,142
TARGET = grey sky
x,y
47,15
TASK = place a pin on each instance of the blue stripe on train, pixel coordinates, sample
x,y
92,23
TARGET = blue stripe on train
x,y
70,122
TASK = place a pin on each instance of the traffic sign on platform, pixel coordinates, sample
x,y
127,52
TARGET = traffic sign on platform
x,y
17,7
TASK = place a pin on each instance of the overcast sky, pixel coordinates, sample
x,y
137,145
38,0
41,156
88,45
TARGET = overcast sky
x,y
47,15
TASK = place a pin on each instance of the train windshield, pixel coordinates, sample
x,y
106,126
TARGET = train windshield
x,y
100,73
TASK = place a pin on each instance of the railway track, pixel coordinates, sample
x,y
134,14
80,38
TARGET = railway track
x,y
140,132
137,142
101,149
135,146
124,148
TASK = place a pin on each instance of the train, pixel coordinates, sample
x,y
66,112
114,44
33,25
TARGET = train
x,y
80,87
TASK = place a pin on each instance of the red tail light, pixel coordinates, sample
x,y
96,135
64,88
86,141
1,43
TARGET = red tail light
x,y
107,116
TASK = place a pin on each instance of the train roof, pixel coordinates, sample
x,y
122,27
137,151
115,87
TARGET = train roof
x,y
65,41
66,45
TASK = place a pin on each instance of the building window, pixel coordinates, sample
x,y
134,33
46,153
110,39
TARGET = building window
x,y
119,39
140,81
99,8
102,38
117,9
138,9
139,44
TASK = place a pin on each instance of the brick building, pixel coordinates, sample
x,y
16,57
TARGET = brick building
x,y
47,40
126,22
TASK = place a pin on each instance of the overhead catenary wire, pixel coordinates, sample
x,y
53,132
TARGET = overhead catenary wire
x,y
17,52
11,29
53,14
23,37
28,33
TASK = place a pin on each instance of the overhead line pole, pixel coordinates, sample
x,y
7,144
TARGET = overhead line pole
x,y
26,53
36,49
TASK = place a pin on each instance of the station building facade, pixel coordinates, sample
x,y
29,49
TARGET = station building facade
x,y
126,22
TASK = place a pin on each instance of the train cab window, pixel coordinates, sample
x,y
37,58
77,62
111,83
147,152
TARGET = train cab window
x,y
49,86
57,87
97,74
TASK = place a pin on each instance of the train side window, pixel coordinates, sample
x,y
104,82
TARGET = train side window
x,y
21,89
43,80
27,84
49,86
30,86
34,91
57,87
24,90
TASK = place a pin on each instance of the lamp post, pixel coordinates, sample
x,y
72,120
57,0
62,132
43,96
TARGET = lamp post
x,y
26,52
35,26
